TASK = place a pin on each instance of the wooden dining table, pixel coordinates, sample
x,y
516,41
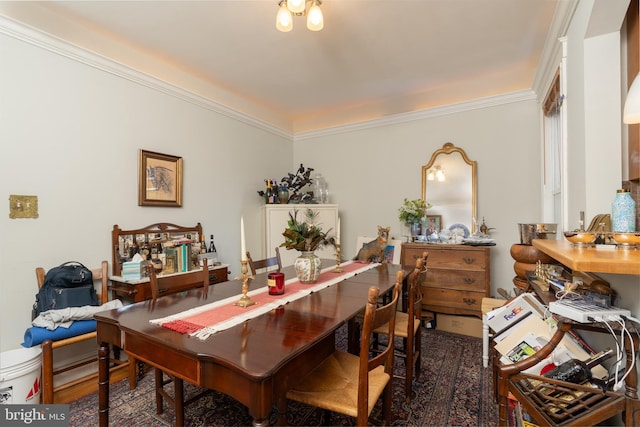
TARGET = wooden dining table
x,y
255,362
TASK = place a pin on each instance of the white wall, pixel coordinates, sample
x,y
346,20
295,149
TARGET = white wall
x,y
370,171
594,106
70,135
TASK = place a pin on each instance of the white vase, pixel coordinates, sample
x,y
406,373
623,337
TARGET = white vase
x,y
307,267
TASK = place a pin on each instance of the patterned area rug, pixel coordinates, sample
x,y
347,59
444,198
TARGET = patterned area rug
x,y
453,389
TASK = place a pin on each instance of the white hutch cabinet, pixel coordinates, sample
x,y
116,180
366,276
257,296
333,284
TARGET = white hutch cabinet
x,y
275,221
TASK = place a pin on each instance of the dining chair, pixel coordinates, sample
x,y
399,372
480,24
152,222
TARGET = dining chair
x,y
65,392
408,326
174,283
265,263
351,384
167,285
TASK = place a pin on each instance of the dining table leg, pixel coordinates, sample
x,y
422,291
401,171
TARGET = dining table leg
x,y
103,384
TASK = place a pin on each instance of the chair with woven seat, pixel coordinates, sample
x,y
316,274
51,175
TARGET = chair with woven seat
x,y
64,393
265,263
408,326
350,384
167,285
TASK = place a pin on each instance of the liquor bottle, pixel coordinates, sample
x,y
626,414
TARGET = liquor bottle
x,y
274,192
576,371
145,250
212,246
269,192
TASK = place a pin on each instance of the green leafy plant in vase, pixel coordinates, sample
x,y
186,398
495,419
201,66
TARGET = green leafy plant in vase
x,y
306,236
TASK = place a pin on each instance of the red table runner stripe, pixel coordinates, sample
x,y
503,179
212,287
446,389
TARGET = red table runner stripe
x,y
206,320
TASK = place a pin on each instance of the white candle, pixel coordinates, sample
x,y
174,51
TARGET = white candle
x,y
243,245
338,232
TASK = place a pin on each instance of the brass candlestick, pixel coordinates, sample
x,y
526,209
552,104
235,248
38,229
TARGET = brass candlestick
x,y
244,300
338,269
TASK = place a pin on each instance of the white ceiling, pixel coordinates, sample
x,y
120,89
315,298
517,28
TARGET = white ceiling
x,y
373,58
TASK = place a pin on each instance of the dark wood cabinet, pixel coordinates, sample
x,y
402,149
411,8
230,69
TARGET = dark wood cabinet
x,y
139,290
458,276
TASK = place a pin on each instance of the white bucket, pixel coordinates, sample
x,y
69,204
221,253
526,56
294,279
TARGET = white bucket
x,y
20,376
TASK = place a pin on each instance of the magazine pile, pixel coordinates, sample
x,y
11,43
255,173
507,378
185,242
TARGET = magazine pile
x,y
524,325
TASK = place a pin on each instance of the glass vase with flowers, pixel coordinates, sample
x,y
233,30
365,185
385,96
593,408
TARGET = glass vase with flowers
x,y
412,213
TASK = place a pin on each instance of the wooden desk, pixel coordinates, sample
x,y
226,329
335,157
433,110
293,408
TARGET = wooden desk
x,y
256,362
594,260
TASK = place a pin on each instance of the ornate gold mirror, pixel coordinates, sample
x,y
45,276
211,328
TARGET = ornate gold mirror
x,y
449,184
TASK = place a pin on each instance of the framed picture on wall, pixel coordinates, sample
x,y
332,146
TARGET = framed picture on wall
x,y
159,179
434,223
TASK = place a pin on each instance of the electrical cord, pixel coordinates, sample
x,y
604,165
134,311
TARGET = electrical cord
x,y
618,385
619,351
569,295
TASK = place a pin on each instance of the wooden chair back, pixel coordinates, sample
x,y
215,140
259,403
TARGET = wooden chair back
x,y
264,263
167,285
101,273
414,284
174,283
374,317
65,392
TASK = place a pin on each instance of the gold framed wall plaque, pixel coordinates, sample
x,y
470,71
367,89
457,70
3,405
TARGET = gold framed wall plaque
x,y
159,179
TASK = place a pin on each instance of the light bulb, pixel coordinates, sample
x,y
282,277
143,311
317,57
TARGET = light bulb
x,y
296,6
431,175
440,175
315,21
284,20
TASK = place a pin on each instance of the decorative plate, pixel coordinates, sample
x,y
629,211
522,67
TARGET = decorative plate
x,y
459,230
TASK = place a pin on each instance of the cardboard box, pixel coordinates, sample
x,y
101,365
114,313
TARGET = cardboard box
x,y
464,325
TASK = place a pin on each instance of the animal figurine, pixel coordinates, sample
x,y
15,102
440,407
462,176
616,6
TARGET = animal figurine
x,y
484,229
373,251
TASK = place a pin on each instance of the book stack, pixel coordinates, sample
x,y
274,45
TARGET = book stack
x,y
177,258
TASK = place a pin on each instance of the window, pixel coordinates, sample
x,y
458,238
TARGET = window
x,y
552,134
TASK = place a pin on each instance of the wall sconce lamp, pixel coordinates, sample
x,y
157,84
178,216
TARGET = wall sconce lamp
x,y
288,8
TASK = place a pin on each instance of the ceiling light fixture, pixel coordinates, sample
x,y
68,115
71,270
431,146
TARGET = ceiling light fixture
x,y
289,8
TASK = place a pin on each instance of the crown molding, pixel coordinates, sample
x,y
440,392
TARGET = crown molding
x,y
552,51
429,113
61,47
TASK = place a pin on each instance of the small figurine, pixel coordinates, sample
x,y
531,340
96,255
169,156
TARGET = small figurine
x,y
484,229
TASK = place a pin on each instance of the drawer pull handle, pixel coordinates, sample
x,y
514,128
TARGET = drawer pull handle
x,y
469,280
469,260
469,301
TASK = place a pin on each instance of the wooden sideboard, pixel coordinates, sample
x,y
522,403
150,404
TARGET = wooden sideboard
x,y
458,276
160,233
140,290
